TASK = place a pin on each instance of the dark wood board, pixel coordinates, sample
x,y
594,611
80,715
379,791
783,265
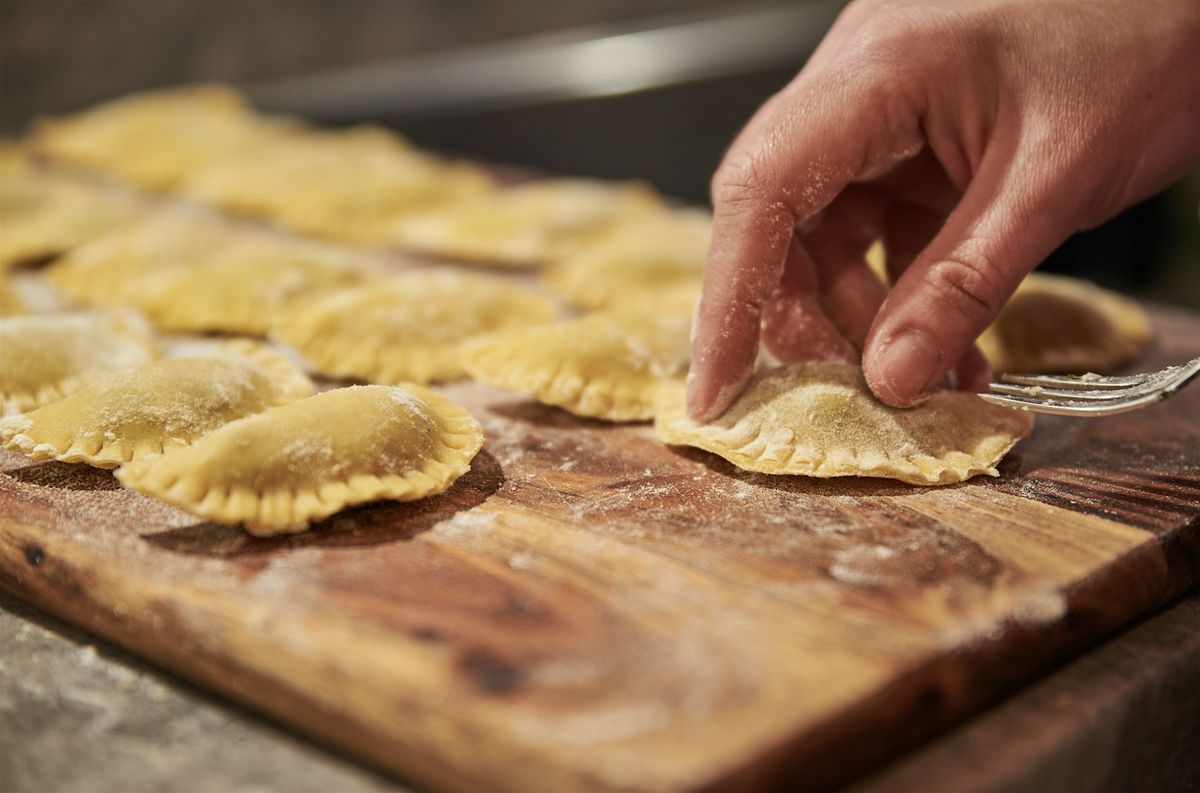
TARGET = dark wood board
x,y
590,610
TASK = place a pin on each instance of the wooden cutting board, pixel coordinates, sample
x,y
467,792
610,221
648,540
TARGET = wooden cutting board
x,y
590,610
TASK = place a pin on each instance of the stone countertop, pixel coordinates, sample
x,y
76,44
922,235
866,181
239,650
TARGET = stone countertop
x,y
79,714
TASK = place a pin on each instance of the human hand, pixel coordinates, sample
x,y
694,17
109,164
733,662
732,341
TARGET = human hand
x,y
972,137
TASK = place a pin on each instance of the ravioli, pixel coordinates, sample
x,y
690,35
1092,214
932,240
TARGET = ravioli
x,y
408,328
140,413
349,186
819,419
278,471
119,267
241,287
10,300
1055,324
194,273
525,225
156,139
608,365
49,356
43,214
639,258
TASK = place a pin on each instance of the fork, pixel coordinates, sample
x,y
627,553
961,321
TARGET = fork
x,y
1089,394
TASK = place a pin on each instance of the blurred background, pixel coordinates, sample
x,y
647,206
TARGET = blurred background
x,y
650,89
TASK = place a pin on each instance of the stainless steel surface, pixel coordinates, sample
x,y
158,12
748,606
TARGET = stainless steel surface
x,y
578,64
1089,394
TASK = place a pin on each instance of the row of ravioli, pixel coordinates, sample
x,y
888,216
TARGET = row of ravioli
x,y
232,431
600,244
615,250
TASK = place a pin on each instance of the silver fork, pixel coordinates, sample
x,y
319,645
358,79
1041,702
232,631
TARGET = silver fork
x,y
1089,394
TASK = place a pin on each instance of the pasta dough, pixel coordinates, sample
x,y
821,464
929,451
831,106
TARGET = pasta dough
x,y
527,224
819,419
348,185
119,267
241,287
49,356
10,301
638,259
159,138
408,328
278,471
606,365
1054,324
193,273
140,413
43,214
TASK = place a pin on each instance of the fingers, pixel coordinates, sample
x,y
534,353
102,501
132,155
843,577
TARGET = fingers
x,y
1000,231
850,293
810,148
795,326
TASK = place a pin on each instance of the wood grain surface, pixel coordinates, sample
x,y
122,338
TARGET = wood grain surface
x,y
590,610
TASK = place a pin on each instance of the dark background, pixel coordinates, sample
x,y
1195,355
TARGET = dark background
x,y
59,55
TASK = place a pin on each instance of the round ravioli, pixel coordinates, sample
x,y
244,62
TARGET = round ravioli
x,y
819,419
156,139
527,224
280,470
408,328
119,267
242,286
1060,325
606,365
49,356
140,413
347,185
43,214
637,259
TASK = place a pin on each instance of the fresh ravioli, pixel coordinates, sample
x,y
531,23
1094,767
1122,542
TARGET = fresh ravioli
x,y
526,225
142,412
157,139
280,470
607,365
408,328
819,419
49,356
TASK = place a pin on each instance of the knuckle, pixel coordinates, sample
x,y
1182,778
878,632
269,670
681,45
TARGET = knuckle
x,y
741,181
968,283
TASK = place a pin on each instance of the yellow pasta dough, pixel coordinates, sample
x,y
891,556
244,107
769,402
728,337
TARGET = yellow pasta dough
x,y
44,357
140,413
156,139
640,258
10,301
606,365
241,287
819,419
1056,324
347,185
408,328
120,266
194,273
278,471
43,214
527,224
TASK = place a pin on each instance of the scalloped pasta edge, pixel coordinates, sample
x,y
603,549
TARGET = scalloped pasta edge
x,y
281,511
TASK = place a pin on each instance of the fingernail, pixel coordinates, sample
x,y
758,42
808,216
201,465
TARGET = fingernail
x,y
909,364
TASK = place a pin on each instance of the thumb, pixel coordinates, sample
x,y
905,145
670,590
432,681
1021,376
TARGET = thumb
x,y
953,290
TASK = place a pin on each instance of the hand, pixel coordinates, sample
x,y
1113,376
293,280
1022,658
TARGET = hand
x,y
972,137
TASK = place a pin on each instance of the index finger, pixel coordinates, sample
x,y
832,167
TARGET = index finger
x,y
792,164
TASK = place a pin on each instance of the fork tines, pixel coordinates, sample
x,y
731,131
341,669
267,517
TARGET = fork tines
x,y
1085,395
